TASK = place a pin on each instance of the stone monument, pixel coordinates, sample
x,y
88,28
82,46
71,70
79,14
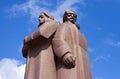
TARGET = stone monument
x,y
38,50
70,47
56,51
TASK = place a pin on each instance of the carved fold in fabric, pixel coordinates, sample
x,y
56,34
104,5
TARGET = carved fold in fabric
x,y
59,44
48,29
68,38
62,49
25,50
82,42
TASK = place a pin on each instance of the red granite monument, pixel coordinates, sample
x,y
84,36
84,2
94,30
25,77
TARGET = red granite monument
x,y
57,51
38,50
70,47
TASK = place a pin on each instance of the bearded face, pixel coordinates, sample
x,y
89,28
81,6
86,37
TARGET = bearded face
x,y
70,16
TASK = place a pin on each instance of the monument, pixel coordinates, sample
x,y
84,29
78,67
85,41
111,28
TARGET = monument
x,y
56,51
38,50
71,49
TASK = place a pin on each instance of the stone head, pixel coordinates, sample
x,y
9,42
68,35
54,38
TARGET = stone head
x,y
69,15
44,16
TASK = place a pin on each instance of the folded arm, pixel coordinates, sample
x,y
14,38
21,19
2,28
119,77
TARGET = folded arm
x,y
61,48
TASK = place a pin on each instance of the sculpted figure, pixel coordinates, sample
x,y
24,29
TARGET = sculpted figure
x,y
70,47
38,50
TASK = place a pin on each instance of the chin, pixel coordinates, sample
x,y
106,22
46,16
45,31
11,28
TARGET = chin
x,y
72,21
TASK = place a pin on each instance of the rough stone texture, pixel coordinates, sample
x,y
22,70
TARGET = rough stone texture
x,y
57,51
70,48
69,39
39,53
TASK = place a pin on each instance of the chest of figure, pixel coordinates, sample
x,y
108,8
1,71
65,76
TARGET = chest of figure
x,y
71,35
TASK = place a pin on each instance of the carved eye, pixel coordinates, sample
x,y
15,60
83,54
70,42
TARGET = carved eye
x,y
68,14
41,16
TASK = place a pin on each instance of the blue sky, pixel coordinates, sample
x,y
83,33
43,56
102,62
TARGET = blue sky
x,y
99,21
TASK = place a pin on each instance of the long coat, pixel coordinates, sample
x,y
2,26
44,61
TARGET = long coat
x,y
69,39
38,51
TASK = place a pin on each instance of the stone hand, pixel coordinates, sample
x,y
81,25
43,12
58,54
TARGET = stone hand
x,y
69,60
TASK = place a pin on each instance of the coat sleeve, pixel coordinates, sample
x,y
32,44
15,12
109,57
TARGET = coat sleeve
x,y
48,29
25,50
60,46
31,37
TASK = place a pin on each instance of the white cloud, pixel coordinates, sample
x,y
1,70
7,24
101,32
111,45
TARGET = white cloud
x,y
101,58
33,8
11,69
30,7
66,4
20,48
112,42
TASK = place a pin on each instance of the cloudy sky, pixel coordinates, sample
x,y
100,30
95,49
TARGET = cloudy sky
x,y
99,21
